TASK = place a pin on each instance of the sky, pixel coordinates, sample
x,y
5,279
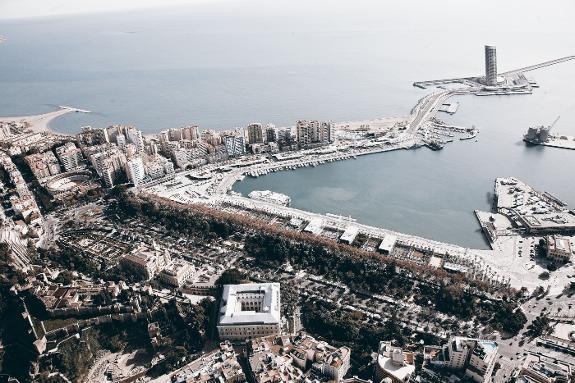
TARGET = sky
x,y
16,9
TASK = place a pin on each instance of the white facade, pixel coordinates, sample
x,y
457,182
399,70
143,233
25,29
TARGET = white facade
x,y
393,363
249,311
135,170
69,155
235,145
476,356
134,136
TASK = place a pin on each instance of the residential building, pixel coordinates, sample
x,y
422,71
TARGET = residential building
x,y
219,366
249,310
158,167
135,170
43,165
313,133
475,357
255,133
271,134
70,156
296,359
334,364
235,145
92,136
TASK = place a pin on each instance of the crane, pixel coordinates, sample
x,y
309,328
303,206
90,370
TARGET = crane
x,y
553,124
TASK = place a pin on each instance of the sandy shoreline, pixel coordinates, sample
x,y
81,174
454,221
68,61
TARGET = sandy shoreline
x,y
41,122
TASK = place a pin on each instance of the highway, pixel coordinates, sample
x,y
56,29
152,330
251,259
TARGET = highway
x,y
428,105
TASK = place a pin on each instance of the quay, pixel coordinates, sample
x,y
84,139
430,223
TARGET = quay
x,y
560,141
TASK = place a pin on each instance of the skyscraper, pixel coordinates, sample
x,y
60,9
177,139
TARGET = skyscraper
x,y
490,65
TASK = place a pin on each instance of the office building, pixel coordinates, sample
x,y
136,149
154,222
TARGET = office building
x,y
249,311
490,65
559,249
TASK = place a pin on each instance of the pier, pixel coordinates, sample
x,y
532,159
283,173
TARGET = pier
x,y
540,65
510,77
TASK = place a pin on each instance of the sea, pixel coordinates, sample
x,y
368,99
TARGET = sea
x,y
225,64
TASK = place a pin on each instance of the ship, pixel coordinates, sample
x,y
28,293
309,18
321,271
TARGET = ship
x,y
271,197
537,135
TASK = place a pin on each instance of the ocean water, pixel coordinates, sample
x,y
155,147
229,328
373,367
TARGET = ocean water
x,y
226,64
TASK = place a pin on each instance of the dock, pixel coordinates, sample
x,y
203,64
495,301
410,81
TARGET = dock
x,y
561,142
449,107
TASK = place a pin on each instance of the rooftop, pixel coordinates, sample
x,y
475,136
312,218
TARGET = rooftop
x,y
265,309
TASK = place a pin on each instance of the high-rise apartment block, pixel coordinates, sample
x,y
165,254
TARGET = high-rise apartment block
x,y
255,133
135,170
313,133
235,145
70,156
271,134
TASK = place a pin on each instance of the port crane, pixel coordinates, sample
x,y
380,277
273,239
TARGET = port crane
x,y
553,124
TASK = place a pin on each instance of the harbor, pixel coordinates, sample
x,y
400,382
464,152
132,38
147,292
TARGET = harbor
x,y
352,140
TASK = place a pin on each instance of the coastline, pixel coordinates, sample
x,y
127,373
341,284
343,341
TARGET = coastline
x,y
40,123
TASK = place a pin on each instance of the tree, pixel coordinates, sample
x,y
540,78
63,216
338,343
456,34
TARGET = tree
x,y
539,326
65,278
231,277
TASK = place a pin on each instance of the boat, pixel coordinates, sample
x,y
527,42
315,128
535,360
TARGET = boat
x,y
271,197
472,135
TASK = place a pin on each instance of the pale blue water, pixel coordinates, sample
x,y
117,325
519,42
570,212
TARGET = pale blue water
x,y
227,64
